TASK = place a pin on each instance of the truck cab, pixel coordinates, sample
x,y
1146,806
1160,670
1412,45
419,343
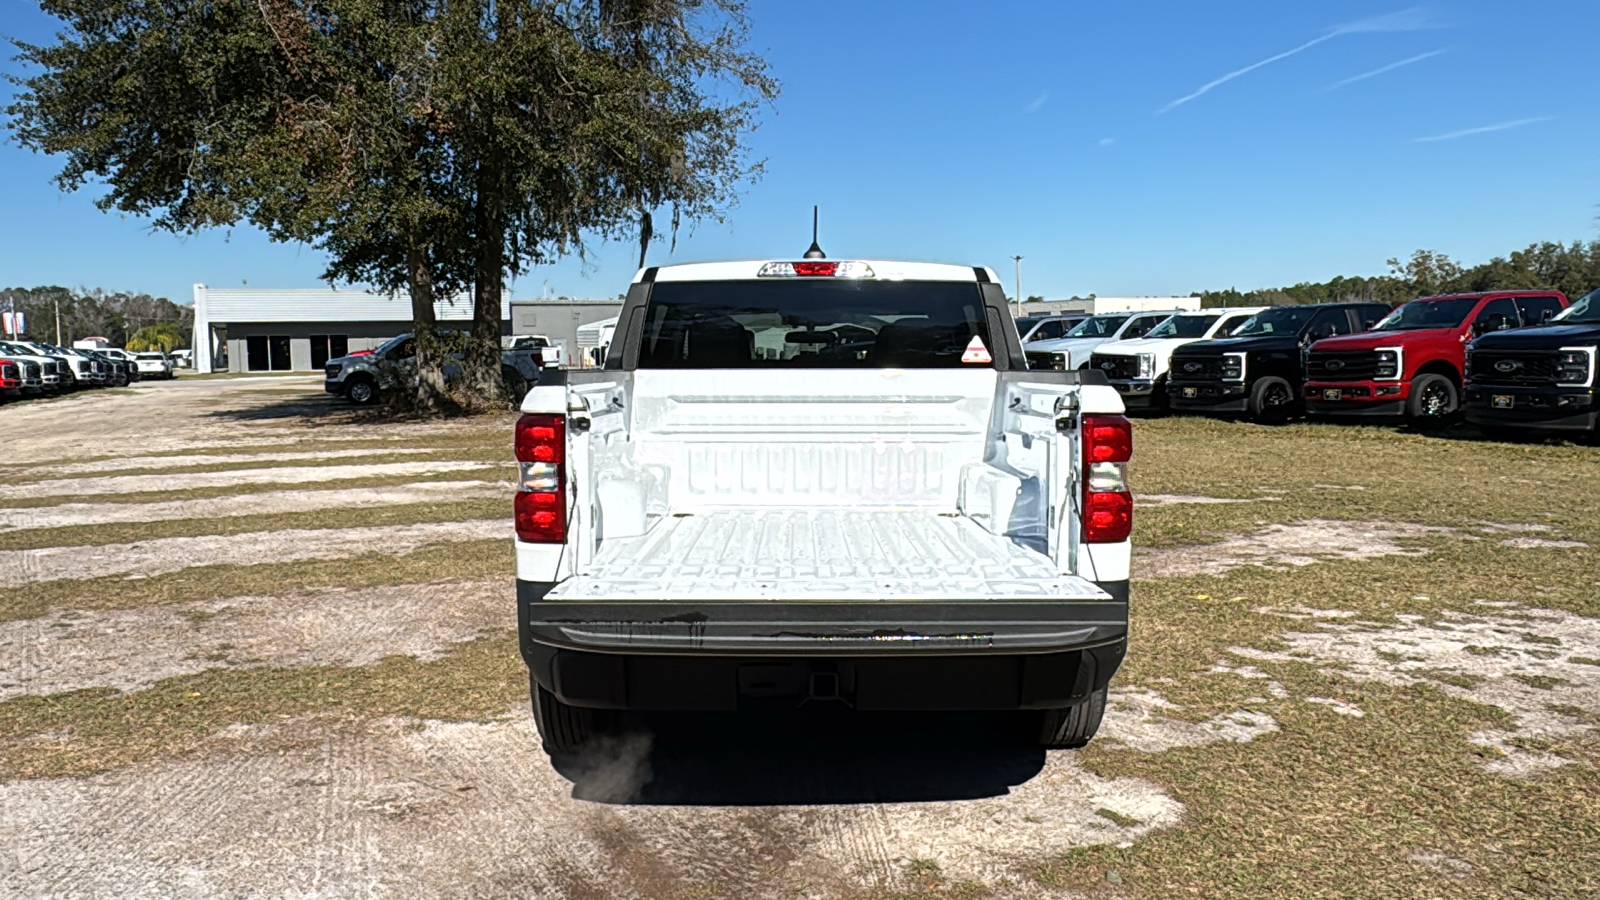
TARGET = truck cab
x,y
1047,327
1074,350
1259,370
820,481
1542,377
1138,368
1410,365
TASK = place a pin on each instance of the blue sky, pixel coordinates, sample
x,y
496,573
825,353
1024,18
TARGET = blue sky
x,y
1122,148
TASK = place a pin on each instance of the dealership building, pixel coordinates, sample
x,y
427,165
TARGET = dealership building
x,y
264,330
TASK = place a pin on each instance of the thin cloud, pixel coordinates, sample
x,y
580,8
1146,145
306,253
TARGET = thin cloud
x,y
1484,129
1037,104
1416,18
1413,19
1106,142
1382,69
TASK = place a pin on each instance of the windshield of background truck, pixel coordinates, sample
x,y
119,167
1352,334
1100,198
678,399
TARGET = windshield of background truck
x,y
1280,320
1097,326
1420,314
1585,310
814,323
1183,326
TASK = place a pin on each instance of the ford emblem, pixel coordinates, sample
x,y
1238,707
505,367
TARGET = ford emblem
x,y
1191,367
1507,365
1335,365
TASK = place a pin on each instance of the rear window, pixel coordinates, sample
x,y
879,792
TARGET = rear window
x,y
815,324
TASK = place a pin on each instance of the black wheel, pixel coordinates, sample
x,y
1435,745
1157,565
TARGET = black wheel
x,y
1434,401
1072,727
362,391
1272,400
565,729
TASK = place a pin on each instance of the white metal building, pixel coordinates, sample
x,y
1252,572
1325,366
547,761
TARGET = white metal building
x,y
264,330
1098,305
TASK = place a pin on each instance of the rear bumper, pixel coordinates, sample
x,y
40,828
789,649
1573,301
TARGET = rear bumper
x,y
1545,408
891,655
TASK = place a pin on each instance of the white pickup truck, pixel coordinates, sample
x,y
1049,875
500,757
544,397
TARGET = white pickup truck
x,y
821,481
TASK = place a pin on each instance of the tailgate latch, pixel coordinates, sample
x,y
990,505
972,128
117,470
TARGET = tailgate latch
x,y
1067,413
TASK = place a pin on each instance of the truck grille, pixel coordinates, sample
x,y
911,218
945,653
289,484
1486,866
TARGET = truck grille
x,y
1196,368
1341,365
1039,359
1512,367
9,372
31,371
1120,368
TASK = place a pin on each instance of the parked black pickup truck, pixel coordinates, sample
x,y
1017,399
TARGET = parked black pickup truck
x,y
1258,371
1541,377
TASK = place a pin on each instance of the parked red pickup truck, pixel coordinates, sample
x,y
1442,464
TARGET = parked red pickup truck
x,y
1410,364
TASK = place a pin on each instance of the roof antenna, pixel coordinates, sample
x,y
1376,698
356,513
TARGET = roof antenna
x,y
816,249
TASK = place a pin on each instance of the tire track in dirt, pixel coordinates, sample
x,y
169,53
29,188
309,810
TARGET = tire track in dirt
x,y
214,459
143,559
255,504
132,484
132,649
468,809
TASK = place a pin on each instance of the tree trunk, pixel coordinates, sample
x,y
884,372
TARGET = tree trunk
x,y
430,362
482,363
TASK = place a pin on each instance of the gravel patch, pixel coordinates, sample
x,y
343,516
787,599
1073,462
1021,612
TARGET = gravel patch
x,y
133,484
1338,706
142,559
1280,546
258,504
1137,718
406,809
1532,666
1188,499
1532,543
132,649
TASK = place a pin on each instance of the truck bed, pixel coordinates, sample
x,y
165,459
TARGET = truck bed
x,y
820,555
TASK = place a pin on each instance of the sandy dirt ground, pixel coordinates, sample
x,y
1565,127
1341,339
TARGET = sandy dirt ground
x,y
263,503
135,648
810,806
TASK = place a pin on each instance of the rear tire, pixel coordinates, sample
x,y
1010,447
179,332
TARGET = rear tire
x,y
1271,401
1072,727
1434,401
565,729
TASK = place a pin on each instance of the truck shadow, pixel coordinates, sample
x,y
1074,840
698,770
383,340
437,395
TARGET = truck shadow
x,y
820,757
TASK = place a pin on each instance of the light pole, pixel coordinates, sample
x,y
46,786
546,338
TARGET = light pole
x,y
1018,261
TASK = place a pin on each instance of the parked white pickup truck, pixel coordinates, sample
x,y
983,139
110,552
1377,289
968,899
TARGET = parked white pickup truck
x,y
821,481
1138,368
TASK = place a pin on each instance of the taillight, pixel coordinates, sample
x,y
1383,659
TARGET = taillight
x,y
541,505
1107,503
